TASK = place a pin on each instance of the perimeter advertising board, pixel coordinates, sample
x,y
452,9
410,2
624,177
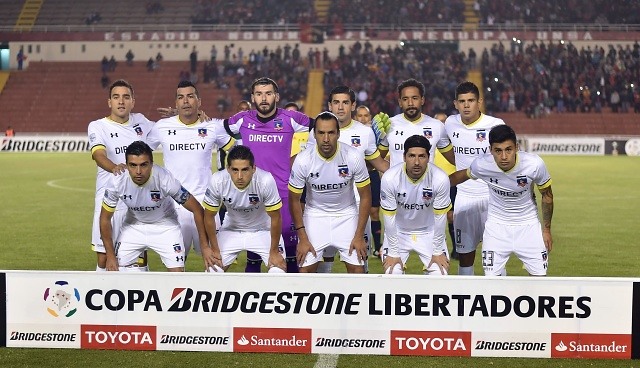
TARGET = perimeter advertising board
x,y
337,314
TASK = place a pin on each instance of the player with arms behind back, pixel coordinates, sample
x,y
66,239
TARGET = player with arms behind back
x,y
512,221
468,132
109,138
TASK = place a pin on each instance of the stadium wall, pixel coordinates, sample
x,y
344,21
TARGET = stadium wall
x,y
352,314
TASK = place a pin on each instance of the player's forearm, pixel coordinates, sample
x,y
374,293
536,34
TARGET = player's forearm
x,y
276,231
106,233
363,210
391,234
439,242
210,228
103,161
295,208
547,208
458,177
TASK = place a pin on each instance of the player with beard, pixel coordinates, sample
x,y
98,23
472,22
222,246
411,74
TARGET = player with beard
x,y
268,132
411,122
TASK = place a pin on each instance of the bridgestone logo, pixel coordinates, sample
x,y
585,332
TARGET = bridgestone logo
x,y
322,342
41,336
194,340
510,345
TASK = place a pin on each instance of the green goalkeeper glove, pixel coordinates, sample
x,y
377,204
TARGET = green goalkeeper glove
x,y
381,125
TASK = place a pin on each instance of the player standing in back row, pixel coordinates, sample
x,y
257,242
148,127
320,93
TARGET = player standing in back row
x,y
268,132
469,132
109,138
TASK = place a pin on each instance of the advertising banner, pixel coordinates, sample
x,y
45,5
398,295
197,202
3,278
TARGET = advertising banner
x,y
333,314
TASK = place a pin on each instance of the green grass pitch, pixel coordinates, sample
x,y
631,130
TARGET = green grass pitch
x,y
45,224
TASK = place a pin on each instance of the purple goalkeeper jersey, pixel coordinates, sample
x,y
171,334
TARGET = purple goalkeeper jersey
x,y
270,140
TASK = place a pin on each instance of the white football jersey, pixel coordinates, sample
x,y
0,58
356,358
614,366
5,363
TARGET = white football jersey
x,y
150,203
356,135
415,202
246,208
188,149
114,138
329,182
469,142
401,129
511,195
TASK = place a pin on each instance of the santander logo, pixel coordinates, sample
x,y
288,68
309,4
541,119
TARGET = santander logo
x,y
272,340
598,346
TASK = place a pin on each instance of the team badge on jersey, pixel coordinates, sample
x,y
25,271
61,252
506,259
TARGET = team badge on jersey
x,y
254,199
155,195
522,180
427,132
177,248
355,140
202,132
277,124
137,129
343,171
427,194
481,135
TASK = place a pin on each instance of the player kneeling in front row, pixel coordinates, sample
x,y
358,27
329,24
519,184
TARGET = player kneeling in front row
x,y
512,221
415,201
151,221
331,217
253,221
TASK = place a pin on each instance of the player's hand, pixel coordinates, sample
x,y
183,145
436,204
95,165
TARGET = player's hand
x,y
277,260
390,262
211,257
381,126
112,263
119,169
304,247
203,116
548,239
167,112
358,244
442,261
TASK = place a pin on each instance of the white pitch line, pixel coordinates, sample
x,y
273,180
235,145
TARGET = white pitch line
x,y
327,361
54,184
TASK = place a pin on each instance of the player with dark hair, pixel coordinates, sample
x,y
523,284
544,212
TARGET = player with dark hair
x,y
415,201
512,223
108,138
468,131
268,131
332,218
151,222
253,218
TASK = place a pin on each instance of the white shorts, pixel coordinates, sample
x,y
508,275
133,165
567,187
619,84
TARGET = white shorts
x,y
231,243
166,240
421,243
116,223
331,231
469,216
189,230
525,240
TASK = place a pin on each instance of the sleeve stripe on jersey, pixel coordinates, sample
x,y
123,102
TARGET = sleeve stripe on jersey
x,y
229,144
388,212
295,190
440,211
448,148
383,148
363,183
108,208
469,174
209,207
98,147
372,156
546,184
273,207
